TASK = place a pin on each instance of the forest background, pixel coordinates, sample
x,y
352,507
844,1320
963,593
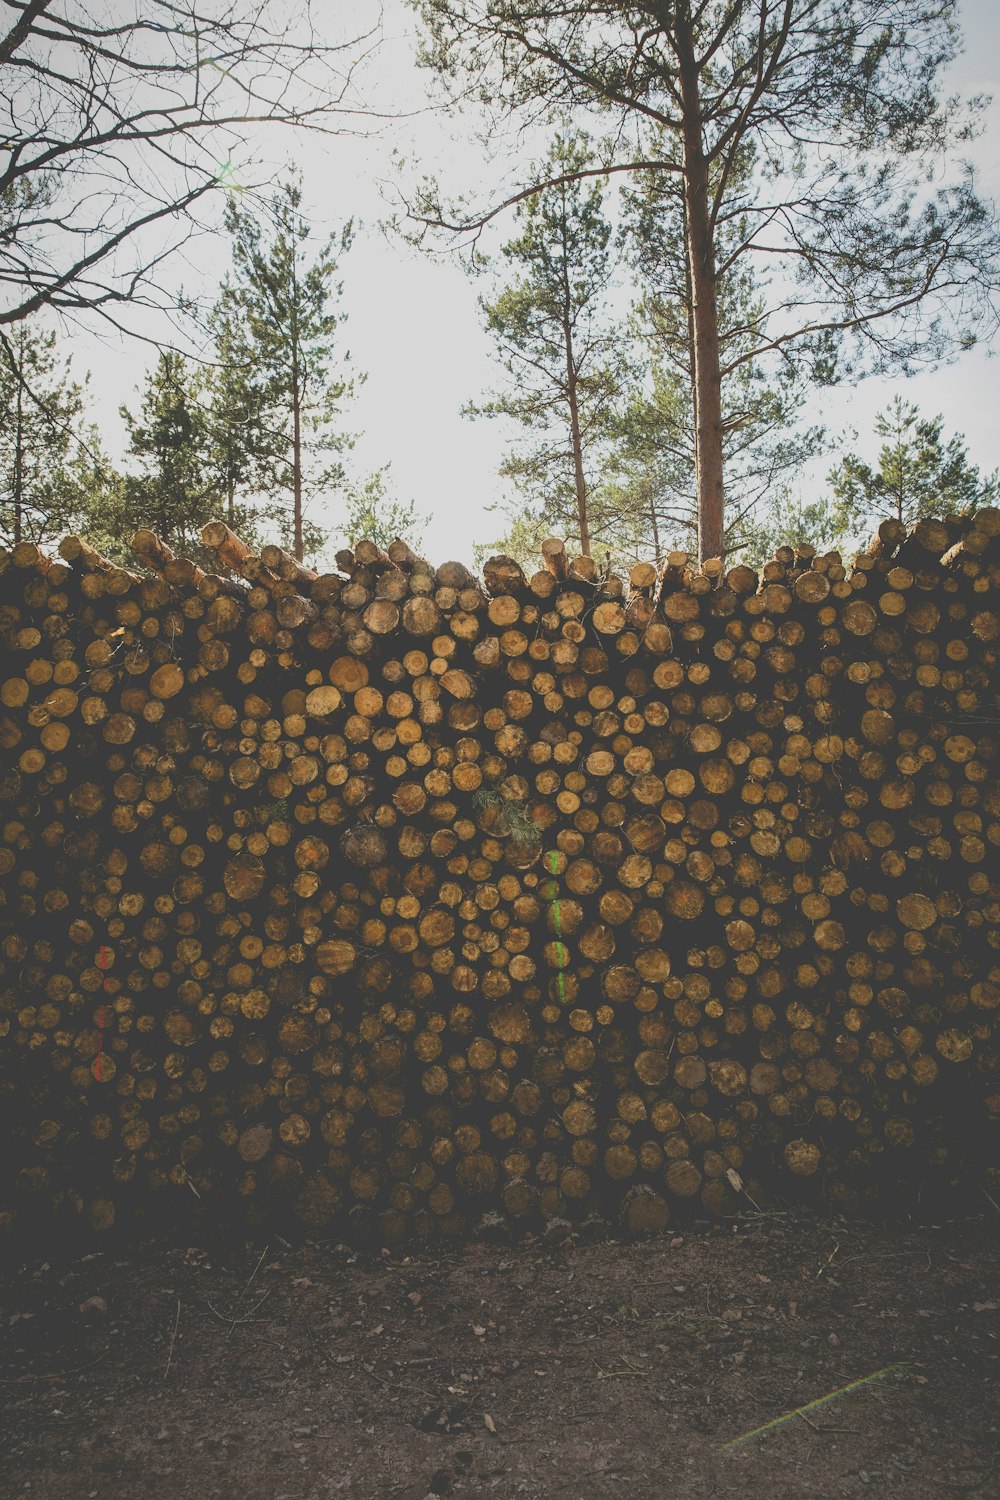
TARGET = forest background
x,y
418,430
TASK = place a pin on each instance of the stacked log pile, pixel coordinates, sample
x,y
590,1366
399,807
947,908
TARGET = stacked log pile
x,y
398,901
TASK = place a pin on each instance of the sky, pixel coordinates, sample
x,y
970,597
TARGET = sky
x,y
415,327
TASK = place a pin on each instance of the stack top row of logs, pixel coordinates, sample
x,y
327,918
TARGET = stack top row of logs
x,y
414,902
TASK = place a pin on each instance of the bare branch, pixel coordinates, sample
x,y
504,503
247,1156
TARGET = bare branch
x,y
22,26
113,125
469,226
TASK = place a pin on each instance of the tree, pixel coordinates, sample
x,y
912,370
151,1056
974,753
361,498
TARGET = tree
x,y
522,540
173,494
43,448
119,121
374,515
282,302
786,520
763,441
104,515
238,448
917,474
816,124
550,325
648,485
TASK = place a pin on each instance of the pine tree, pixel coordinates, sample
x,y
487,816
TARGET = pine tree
x,y
784,519
282,302
237,447
917,474
649,476
373,514
551,327
522,539
43,447
871,244
173,493
763,442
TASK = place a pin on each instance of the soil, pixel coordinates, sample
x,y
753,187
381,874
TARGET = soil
x,y
555,1369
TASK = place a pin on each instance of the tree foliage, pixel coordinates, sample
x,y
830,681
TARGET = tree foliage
x,y
280,303
785,519
47,455
521,539
549,320
807,139
917,473
764,443
236,445
170,487
374,514
550,323
649,479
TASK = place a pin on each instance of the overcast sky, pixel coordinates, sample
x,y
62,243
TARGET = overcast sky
x,y
414,324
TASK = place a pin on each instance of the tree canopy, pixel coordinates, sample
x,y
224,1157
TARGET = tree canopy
x,y
169,489
918,472
805,139
376,515
48,453
564,369
280,305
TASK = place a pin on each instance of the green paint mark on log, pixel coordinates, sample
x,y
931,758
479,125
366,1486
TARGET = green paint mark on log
x,y
553,860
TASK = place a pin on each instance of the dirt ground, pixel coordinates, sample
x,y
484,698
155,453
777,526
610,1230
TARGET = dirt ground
x,y
546,1369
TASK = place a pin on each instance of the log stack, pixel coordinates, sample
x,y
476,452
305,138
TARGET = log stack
x,y
403,902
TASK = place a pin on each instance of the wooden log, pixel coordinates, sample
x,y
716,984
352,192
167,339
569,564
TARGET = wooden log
x,y
228,548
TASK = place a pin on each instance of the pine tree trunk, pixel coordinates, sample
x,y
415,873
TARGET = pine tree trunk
x,y
18,477
700,250
576,441
297,542
579,479
690,337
